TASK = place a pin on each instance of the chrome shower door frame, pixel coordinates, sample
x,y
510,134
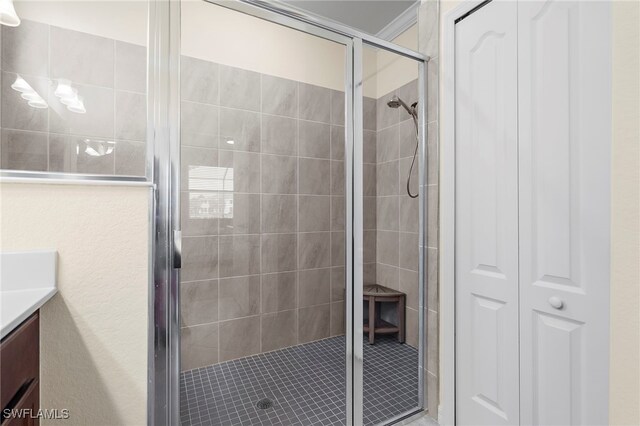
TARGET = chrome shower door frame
x,y
164,165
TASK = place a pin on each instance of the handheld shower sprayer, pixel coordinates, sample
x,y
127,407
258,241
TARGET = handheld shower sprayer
x,y
396,102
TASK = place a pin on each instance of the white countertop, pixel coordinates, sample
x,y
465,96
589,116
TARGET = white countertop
x,y
27,281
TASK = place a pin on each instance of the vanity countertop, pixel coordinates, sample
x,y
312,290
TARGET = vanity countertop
x,y
27,281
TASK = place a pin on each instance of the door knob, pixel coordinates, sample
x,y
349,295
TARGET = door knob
x,y
556,302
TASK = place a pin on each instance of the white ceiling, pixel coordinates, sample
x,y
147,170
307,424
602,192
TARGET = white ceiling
x,y
365,15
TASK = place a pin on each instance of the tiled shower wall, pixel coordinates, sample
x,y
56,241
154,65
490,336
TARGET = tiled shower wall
x,y
263,216
397,214
110,76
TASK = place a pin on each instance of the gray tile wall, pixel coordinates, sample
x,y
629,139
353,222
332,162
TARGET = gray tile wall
x,y
110,76
396,230
428,43
268,272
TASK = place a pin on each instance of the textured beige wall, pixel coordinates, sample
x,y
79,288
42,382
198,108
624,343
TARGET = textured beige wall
x,y
624,389
93,333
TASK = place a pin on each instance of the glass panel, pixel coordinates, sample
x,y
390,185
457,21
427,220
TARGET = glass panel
x,y
263,220
391,228
74,88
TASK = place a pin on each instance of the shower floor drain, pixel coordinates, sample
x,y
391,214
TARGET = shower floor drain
x,y
265,403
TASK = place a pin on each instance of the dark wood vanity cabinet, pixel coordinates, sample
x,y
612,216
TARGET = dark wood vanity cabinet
x,y
20,373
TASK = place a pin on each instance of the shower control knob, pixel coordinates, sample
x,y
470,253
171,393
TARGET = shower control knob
x,y
556,302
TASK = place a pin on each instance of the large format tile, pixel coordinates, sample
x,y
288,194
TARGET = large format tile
x,y
315,139
409,250
239,255
77,154
314,287
131,158
432,279
337,319
198,346
387,144
337,107
25,48
199,124
387,247
279,135
408,141
409,210
315,103
198,302
279,291
388,213
245,169
239,88
337,178
338,213
338,142
239,297
314,213
388,276
131,116
279,213
16,113
279,96
369,149
279,252
337,249
279,330
245,216
369,242
408,281
387,178
97,121
239,338
198,80
314,250
194,223
131,67
197,167
279,174
370,212
23,150
240,127
369,110
338,280
199,258
313,323
82,58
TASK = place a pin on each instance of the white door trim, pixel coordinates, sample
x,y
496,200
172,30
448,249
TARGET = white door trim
x,y
446,410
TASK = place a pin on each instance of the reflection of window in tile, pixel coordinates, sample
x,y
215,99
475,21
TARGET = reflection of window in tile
x,y
214,198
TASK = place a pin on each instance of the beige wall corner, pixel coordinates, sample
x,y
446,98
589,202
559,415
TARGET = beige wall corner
x,y
624,391
93,333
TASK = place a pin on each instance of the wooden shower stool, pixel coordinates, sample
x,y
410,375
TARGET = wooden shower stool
x,y
376,293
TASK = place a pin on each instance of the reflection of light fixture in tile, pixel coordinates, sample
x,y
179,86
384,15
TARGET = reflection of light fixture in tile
x,y
8,15
98,148
27,93
69,96
231,141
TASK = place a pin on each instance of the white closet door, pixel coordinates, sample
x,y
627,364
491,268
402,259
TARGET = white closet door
x,y
564,136
487,217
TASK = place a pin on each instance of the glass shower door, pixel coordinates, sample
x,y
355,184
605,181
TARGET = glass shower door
x,y
263,213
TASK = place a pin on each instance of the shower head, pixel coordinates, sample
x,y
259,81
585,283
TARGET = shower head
x,y
396,102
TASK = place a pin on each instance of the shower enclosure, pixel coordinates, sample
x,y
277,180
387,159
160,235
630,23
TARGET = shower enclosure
x,y
290,163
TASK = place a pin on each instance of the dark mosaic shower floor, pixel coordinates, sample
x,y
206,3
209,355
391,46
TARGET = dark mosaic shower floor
x,y
305,383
